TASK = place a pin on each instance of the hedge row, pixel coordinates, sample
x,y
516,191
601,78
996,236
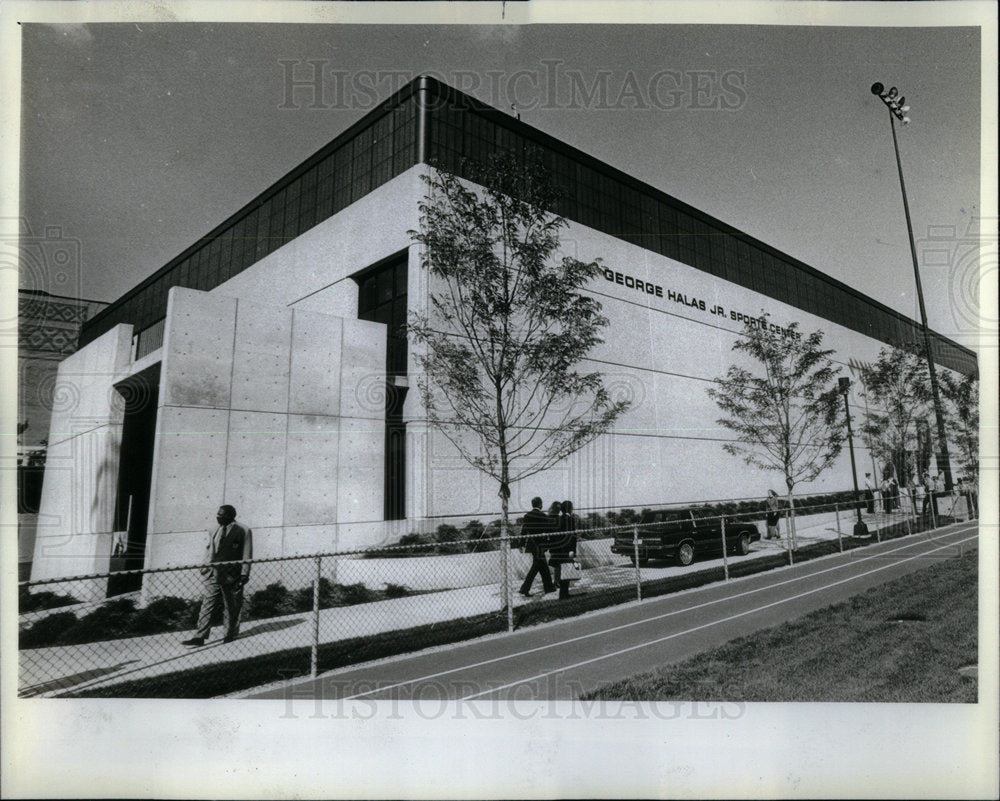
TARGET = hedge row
x,y
474,536
119,618
28,601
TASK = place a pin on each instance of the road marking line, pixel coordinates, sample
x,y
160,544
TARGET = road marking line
x,y
650,619
705,625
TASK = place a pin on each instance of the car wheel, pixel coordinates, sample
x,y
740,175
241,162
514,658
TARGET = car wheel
x,y
743,546
685,553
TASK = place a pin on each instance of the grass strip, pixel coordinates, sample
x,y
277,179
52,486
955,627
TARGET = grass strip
x,y
901,642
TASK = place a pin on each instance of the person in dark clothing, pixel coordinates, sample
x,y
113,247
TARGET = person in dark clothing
x,y
535,525
773,515
928,496
563,547
224,575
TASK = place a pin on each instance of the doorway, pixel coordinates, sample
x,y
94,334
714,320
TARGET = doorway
x,y
140,394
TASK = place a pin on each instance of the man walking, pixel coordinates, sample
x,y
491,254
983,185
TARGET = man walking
x,y
928,486
536,523
223,576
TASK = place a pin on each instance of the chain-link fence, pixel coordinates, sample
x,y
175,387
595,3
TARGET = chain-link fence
x,y
298,616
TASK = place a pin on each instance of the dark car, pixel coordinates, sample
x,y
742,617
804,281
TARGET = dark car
x,y
682,534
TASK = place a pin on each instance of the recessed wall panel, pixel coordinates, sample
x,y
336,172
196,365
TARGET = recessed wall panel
x,y
362,370
198,350
261,358
312,471
315,364
191,469
255,467
360,486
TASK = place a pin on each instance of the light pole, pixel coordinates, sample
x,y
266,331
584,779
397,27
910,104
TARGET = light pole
x,y
860,529
897,111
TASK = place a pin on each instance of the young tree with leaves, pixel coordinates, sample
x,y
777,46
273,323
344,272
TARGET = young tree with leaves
x,y
898,391
506,327
962,396
786,413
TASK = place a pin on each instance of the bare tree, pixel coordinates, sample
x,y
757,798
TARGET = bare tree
x,y
785,414
506,327
899,395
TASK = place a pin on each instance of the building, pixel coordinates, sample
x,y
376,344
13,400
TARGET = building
x,y
265,366
48,331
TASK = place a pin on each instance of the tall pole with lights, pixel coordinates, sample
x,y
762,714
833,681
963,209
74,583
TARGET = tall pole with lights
x,y
860,529
897,111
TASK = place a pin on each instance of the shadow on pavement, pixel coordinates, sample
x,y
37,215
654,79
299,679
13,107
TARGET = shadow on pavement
x,y
276,625
64,682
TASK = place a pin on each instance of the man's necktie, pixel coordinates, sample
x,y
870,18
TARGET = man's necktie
x,y
217,539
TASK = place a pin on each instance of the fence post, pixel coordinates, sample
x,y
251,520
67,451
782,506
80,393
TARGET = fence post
x,y
313,658
933,501
635,555
788,537
840,540
725,555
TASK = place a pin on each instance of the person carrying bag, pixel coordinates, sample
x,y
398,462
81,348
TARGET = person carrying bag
x,y
562,551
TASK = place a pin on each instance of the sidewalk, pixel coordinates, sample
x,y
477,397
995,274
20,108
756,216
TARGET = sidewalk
x,y
54,670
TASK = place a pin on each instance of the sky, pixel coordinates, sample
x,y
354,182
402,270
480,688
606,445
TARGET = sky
x,y
138,138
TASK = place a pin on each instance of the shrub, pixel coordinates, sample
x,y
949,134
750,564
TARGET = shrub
x,y
481,538
28,601
396,591
272,601
47,631
347,594
166,614
110,621
328,596
301,600
446,533
627,517
449,540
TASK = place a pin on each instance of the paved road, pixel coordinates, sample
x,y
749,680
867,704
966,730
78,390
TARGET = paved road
x,y
562,660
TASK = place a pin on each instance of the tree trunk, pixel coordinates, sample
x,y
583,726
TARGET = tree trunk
x,y
505,588
791,517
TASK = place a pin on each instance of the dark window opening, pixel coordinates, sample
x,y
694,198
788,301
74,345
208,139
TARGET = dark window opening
x,y
382,299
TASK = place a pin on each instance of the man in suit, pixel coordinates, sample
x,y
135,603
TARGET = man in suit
x,y
223,576
536,523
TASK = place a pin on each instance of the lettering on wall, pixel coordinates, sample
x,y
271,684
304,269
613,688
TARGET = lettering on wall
x,y
692,302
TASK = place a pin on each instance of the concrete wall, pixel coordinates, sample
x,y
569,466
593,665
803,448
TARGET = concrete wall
x,y
456,570
313,271
266,408
76,516
663,355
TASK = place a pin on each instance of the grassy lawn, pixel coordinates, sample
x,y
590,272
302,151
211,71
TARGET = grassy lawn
x,y
903,641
